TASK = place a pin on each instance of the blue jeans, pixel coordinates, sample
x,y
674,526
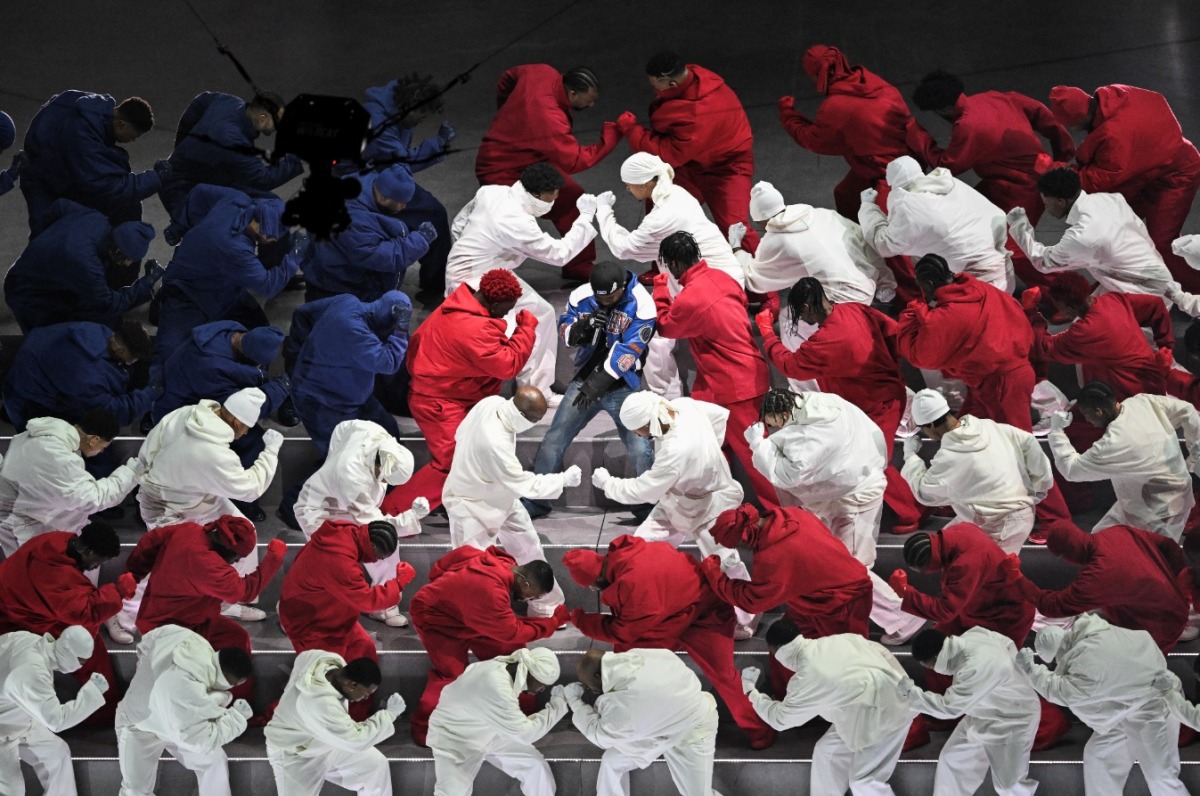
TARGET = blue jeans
x,y
569,420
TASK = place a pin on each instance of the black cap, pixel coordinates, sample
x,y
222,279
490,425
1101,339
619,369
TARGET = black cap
x,y
607,278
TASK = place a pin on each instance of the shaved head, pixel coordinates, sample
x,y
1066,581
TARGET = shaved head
x,y
588,670
530,402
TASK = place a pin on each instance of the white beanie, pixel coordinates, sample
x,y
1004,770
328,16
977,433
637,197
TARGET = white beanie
x,y
73,646
645,408
246,405
928,406
1188,247
765,201
902,171
537,661
642,167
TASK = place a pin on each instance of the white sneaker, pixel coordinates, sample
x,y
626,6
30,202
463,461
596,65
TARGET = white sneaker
x,y
743,632
116,632
243,613
126,622
390,617
553,399
1190,633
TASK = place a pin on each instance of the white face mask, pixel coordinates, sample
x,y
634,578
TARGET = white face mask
x,y
534,206
512,418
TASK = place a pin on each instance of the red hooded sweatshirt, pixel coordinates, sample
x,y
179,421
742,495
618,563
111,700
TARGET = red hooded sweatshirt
x,y
863,117
43,590
533,124
326,588
975,590
976,331
460,352
700,123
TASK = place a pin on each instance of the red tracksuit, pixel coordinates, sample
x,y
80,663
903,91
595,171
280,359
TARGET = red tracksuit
x,y
996,136
1136,148
701,129
467,607
853,354
458,356
533,124
1108,343
1129,574
190,581
710,312
43,590
659,599
326,589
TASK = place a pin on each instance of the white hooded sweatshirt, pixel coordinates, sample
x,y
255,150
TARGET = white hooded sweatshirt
x,y
311,718
45,487
27,665
1140,454
1107,239
191,474
346,487
179,693
498,228
651,702
939,214
984,470
829,451
1103,673
845,679
690,479
805,241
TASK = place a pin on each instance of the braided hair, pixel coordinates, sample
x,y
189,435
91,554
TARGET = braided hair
x,y
806,291
778,402
934,270
417,90
382,536
581,80
918,550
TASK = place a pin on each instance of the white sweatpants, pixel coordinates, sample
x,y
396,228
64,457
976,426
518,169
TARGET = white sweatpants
x,y
657,527
539,370
964,762
138,753
690,763
516,533
661,371
1008,531
364,772
1171,525
521,761
46,753
836,769
1151,737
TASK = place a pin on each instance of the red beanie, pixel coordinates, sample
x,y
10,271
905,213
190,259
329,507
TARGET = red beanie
x,y
1069,105
584,566
731,525
236,533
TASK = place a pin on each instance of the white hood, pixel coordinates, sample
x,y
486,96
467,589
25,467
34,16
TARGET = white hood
x,y
939,181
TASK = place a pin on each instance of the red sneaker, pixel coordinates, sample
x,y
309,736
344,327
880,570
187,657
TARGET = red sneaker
x,y
918,734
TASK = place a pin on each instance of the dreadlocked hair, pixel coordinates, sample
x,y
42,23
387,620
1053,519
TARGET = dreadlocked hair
x,y
777,402
417,89
807,291
500,285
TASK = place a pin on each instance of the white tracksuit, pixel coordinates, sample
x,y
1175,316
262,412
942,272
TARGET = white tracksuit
x,y
991,474
940,214
851,683
1140,454
30,715
346,487
1001,713
676,210
1104,675
45,487
830,459
1107,239
652,706
486,481
178,702
479,720
498,228
311,739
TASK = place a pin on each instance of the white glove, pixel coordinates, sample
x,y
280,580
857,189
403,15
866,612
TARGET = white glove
x,y
1174,291
135,464
1060,420
1021,230
243,707
869,196
572,476
420,508
756,433
99,681
586,204
600,477
273,440
912,446
1017,216
1025,660
574,694
750,677
736,233
606,199
905,687
395,704
558,697
1166,682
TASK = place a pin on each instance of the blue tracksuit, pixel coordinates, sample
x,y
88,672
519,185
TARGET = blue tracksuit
x,y
217,145
64,370
340,344
61,274
70,152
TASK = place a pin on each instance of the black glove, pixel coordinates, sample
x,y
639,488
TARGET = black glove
x,y
583,329
592,388
163,169
153,270
401,315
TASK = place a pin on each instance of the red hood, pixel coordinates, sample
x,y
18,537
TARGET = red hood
x,y
344,538
831,73
965,289
491,562
621,551
1071,544
700,83
463,300
1109,100
778,526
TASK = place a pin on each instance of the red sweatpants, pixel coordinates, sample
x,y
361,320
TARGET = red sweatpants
x,y
1006,196
898,494
1004,397
726,191
712,649
102,663
438,419
1164,205
353,644
742,415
